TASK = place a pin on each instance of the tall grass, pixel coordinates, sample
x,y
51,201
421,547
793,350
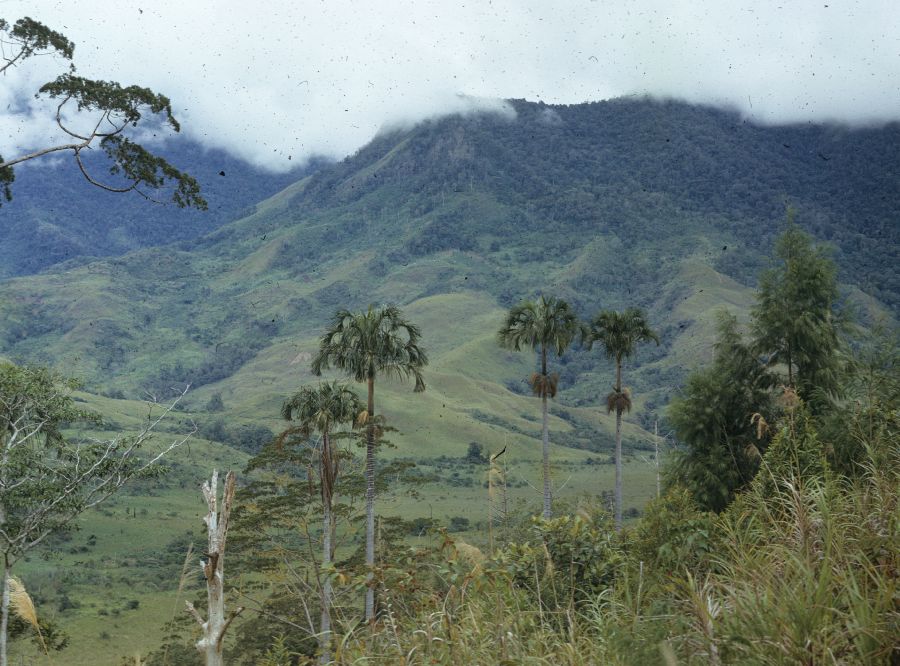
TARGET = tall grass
x,y
805,574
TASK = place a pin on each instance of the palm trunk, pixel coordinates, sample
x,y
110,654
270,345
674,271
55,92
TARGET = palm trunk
x,y
790,366
545,437
618,493
370,505
327,527
4,621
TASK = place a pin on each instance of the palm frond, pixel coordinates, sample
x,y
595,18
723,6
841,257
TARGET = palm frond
x,y
619,401
542,385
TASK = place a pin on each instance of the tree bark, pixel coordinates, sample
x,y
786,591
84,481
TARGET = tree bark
x,y
216,624
370,505
618,492
4,616
545,437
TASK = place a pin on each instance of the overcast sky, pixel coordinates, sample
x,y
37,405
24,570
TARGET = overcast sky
x,y
273,79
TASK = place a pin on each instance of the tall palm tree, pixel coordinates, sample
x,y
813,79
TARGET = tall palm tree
x,y
318,411
619,333
364,345
548,323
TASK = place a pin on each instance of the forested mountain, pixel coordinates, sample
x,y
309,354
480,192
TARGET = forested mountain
x,y
56,215
630,202
667,207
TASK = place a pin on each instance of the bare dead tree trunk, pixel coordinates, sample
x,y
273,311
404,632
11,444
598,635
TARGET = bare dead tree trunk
x,y
216,625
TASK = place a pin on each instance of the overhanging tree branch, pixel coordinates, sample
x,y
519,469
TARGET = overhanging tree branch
x,y
120,107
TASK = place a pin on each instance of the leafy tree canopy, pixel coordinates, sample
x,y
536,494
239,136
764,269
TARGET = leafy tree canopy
x,y
111,109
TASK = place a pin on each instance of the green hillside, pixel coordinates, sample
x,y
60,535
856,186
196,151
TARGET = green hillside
x,y
667,207
607,205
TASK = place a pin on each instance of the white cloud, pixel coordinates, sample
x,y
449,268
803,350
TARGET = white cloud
x,y
275,79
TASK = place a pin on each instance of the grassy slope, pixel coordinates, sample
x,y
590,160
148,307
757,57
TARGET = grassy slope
x,y
360,233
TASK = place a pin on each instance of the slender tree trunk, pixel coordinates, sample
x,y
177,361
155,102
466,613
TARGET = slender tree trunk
x,y
656,455
327,534
618,447
790,366
325,629
4,616
545,436
370,505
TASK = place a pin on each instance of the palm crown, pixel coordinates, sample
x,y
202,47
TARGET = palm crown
x,y
321,408
619,332
547,322
377,341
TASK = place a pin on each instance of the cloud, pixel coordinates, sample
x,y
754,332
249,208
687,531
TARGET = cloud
x,y
274,80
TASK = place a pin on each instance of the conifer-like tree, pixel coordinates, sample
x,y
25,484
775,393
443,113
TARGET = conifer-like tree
x,y
794,320
713,418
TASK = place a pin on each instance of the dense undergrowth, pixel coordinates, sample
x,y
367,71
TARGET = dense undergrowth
x,y
801,569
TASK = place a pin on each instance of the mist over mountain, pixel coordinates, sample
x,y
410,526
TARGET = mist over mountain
x,y
56,215
665,206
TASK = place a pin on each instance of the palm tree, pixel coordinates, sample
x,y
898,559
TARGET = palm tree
x,y
619,333
363,345
548,323
318,411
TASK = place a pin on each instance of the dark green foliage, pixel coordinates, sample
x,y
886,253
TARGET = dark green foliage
x,y
864,425
215,403
249,437
712,418
795,456
547,323
458,524
794,320
475,454
365,344
673,536
55,638
114,107
565,560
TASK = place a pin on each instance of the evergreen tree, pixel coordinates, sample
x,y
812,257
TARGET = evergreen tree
x,y
714,420
794,322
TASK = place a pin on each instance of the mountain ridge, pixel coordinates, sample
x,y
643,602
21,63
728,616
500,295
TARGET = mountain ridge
x,y
459,218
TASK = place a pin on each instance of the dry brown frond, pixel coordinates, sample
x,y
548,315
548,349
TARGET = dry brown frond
x,y
544,384
469,553
789,399
619,402
762,426
362,418
752,452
